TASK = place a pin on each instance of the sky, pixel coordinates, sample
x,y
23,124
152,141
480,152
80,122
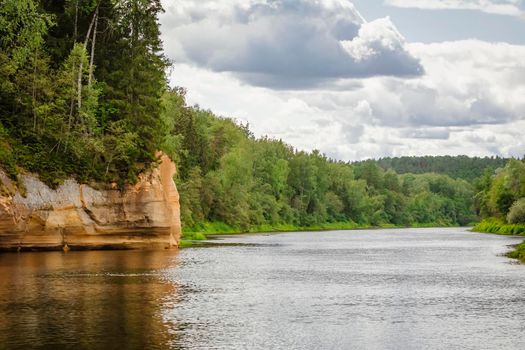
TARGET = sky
x,y
358,79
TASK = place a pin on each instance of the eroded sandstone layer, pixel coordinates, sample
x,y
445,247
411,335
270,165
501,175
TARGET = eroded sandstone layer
x,y
77,216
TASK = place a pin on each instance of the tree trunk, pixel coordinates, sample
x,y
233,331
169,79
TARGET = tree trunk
x,y
33,100
88,34
79,80
92,56
75,34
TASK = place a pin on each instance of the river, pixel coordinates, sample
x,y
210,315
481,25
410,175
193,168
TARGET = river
x,y
364,289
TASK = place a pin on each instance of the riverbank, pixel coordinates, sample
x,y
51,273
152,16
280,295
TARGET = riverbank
x,y
518,252
192,236
499,227
79,216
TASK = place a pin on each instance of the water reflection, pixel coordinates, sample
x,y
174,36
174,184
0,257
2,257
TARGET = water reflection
x,y
100,300
381,289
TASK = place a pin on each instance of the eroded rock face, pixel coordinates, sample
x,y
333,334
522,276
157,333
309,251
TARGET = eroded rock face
x,y
145,215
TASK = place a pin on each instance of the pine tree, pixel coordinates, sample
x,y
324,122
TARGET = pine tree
x,y
131,64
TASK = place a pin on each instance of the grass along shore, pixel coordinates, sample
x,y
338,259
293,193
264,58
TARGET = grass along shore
x,y
499,227
192,236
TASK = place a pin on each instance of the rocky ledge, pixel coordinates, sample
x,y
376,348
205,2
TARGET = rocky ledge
x,y
77,216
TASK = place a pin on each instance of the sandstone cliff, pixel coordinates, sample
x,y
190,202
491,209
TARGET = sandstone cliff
x,y
77,216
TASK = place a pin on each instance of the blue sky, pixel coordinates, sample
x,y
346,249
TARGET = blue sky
x,y
420,25
358,79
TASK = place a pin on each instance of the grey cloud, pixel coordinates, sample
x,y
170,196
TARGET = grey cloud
x,y
353,134
290,44
323,123
490,112
471,88
426,133
480,139
418,105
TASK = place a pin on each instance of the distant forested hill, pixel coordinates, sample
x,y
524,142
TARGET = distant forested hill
x,y
459,167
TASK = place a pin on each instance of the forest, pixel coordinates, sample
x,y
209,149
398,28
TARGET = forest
x,y
227,175
84,94
457,167
80,84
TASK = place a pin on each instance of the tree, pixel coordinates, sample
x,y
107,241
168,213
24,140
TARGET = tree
x,y
516,213
22,30
81,120
131,64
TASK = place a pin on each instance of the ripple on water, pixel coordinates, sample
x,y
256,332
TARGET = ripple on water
x,y
381,289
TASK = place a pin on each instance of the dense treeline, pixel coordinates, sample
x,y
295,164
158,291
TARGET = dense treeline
x,y
226,175
81,83
500,199
501,193
458,167
500,202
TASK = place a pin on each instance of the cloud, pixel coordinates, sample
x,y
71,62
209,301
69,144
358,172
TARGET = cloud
x,y
293,69
288,44
470,101
501,7
466,83
426,133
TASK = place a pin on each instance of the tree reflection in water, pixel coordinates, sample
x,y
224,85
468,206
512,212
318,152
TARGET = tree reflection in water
x,y
101,299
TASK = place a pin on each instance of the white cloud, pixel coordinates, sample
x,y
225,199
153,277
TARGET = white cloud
x,y
501,7
291,44
469,101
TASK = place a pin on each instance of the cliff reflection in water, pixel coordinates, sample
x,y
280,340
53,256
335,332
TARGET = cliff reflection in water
x,y
101,300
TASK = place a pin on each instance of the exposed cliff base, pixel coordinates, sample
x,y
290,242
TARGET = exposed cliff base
x,y
77,216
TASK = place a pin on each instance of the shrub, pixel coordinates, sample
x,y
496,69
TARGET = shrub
x,y
518,253
516,213
498,226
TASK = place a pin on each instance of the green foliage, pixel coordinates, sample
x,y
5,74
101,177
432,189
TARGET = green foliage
x,y
132,67
81,88
493,225
193,236
231,182
220,228
7,161
22,29
458,167
516,213
497,193
518,252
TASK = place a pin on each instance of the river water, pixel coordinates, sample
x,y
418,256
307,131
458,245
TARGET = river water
x,y
377,289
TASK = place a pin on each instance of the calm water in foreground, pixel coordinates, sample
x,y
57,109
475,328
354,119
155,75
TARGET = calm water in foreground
x,y
381,289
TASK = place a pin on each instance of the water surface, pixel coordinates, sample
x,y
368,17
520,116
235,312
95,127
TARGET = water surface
x,y
379,289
